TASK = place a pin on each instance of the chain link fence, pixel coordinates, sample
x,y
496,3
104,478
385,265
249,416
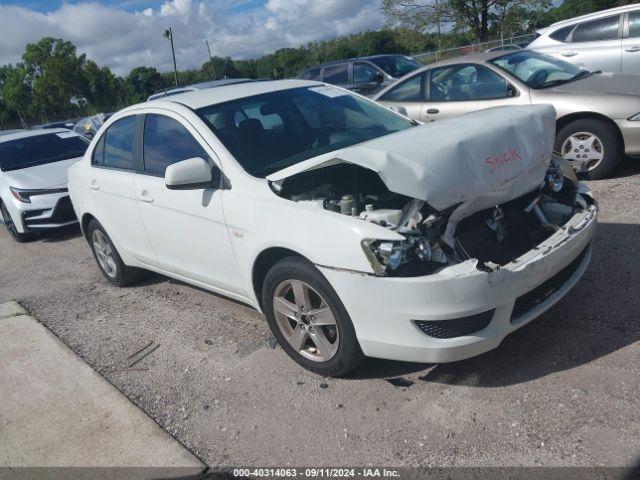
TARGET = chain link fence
x,y
28,123
444,54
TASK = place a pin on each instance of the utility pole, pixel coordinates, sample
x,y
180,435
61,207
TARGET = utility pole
x,y
213,69
169,35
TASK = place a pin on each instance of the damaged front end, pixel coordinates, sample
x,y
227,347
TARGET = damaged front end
x,y
459,202
434,240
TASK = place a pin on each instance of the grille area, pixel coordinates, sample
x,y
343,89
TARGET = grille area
x,y
542,292
455,327
62,213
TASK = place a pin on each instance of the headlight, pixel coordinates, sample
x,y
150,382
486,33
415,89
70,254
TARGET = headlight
x,y
24,195
635,118
21,195
388,256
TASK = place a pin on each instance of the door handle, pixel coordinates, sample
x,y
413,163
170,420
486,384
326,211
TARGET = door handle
x,y
568,54
433,111
635,48
94,185
145,197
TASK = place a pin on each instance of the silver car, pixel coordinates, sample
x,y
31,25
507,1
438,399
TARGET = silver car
x,y
598,114
608,40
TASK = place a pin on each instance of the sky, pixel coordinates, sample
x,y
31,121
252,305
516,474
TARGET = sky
x,y
123,34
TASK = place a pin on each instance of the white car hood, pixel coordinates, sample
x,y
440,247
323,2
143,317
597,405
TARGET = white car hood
x,y
50,175
493,155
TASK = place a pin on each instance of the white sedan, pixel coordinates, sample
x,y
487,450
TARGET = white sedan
x,y
357,231
33,179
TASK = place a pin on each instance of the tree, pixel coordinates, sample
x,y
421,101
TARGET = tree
x,y
480,17
55,75
142,82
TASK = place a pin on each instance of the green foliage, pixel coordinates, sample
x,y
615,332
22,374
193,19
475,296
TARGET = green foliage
x,y
480,18
53,82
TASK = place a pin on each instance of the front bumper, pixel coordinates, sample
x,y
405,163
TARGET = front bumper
x,y
384,310
46,212
631,135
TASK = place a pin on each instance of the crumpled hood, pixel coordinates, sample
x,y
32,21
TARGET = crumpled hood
x,y
494,155
49,175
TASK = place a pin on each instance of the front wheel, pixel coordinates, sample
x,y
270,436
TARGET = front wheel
x,y
308,319
107,257
11,226
592,146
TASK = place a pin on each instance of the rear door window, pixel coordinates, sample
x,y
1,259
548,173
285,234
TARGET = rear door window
x,y
634,24
597,30
410,90
118,144
336,74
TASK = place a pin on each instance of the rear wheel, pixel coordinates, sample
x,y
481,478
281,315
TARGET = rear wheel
x,y
592,146
308,319
107,257
11,226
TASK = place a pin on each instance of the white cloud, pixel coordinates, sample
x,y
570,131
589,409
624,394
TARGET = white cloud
x,y
123,39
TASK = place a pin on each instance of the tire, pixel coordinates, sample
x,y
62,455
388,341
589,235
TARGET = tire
x,y
339,352
108,258
11,226
577,134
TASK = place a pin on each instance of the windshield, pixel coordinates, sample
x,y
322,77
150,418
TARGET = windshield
x,y
40,149
268,132
396,65
538,70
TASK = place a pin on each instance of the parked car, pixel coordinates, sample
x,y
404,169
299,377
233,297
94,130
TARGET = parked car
x,y
354,229
504,48
598,115
608,40
365,75
68,124
33,180
197,86
88,126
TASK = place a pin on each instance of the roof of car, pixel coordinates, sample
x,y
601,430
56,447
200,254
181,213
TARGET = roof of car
x,y
368,57
589,16
197,86
471,58
201,98
33,133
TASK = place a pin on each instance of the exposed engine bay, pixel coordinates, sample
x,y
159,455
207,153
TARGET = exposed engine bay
x,y
494,237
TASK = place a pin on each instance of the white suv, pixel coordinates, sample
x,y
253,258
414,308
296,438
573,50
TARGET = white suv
x,y
354,229
608,40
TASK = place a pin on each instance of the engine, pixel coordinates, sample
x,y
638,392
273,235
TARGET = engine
x,y
494,236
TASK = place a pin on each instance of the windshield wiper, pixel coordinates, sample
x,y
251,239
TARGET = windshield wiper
x,y
577,76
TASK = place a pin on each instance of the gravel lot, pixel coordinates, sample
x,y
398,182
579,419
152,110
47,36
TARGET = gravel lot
x,y
563,390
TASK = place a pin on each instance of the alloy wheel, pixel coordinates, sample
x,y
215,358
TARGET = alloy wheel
x,y
584,150
306,321
104,253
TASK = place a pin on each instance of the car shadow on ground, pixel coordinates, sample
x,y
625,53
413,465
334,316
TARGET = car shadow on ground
x,y
598,317
628,167
59,234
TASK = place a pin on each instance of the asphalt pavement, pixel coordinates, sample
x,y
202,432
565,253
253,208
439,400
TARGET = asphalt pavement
x,y
563,390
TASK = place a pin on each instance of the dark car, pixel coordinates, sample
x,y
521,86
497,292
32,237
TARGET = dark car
x,y
365,75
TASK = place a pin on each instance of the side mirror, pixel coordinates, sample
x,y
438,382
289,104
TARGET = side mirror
x,y
377,77
188,174
399,109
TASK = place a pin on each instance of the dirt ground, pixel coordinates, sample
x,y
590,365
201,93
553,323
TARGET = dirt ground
x,y
563,390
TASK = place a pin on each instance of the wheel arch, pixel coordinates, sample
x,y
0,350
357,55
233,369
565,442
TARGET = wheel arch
x,y
263,263
567,119
84,224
